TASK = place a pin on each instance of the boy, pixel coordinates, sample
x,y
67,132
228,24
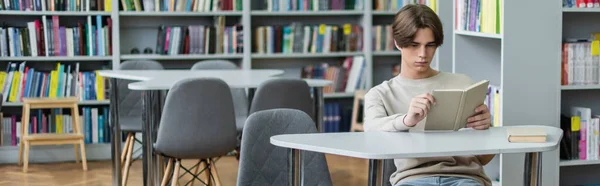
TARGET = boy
x,y
402,103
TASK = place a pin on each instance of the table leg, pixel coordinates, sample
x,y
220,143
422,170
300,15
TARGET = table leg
x,y
115,145
296,176
319,107
151,118
375,172
533,169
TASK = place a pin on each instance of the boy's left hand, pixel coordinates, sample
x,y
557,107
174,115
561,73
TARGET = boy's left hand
x,y
481,120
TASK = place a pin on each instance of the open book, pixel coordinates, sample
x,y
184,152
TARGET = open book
x,y
454,106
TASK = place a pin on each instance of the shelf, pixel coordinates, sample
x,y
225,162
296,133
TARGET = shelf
x,y
339,95
580,87
307,13
387,53
182,56
581,9
81,103
59,13
57,58
384,12
565,163
304,55
477,34
217,13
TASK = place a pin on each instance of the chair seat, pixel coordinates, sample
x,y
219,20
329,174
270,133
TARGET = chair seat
x,y
131,124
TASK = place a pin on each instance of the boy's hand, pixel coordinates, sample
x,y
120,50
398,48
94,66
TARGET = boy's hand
x,y
418,109
481,119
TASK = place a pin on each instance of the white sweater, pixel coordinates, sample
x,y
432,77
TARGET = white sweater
x,y
387,103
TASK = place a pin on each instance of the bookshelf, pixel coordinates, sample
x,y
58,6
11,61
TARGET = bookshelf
x,y
579,87
510,46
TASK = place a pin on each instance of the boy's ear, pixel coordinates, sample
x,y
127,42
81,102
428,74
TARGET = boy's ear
x,y
396,45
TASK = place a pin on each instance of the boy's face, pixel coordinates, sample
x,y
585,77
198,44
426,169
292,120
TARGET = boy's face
x,y
417,55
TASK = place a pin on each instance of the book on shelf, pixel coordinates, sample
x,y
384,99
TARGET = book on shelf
x,y
483,16
395,5
56,5
93,120
20,81
309,5
200,39
383,38
581,128
348,76
580,4
181,5
580,63
301,38
46,37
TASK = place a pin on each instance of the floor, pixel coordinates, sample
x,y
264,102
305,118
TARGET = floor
x,y
345,171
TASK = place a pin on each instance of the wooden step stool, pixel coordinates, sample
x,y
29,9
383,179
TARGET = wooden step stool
x,y
75,138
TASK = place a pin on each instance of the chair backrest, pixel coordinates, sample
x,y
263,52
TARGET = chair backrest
x,y
214,64
240,99
130,102
388,169
283,93
197,120
263,164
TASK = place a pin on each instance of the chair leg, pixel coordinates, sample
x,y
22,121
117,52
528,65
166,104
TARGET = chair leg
x,y
26,157
175,179
167,173
127,161
83,156
201,163
124,153
76,149
214,173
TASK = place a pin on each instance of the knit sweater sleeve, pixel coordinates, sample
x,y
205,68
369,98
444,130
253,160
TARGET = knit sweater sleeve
x,y
377,119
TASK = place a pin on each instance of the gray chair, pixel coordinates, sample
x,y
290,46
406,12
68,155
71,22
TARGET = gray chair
x,y
388,169
283,93
240,99
197,123
130,110
263,164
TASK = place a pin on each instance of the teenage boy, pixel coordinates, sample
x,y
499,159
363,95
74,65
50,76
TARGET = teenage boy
x,y
402,103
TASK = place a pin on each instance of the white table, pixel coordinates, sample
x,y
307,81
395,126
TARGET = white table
x,y
152,82
378,146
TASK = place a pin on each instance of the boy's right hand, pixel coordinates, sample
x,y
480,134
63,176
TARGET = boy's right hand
x,y
418,109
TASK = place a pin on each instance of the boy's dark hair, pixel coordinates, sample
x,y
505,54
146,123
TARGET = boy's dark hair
x,y
413,17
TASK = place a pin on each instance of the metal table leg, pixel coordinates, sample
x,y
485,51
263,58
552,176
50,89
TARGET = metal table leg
x,y
533,169
151,118
296,177
319,107
115,146
375,172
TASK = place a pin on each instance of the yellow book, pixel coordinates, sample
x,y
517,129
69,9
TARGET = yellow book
x,y
99,87
2,80
53,83
14,88
107,5
497,109
59,123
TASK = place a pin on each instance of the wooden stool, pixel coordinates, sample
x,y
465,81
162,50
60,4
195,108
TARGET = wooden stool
x,y
27,139
355,126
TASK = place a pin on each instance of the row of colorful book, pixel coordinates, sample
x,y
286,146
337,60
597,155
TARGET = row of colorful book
x,y
347,76
581,4
93,120
332,118
309,5
300,38
181,5
478,15
581,128
383,38
56,5
494,104
395,5
21,81
47,37
199,39
580,63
